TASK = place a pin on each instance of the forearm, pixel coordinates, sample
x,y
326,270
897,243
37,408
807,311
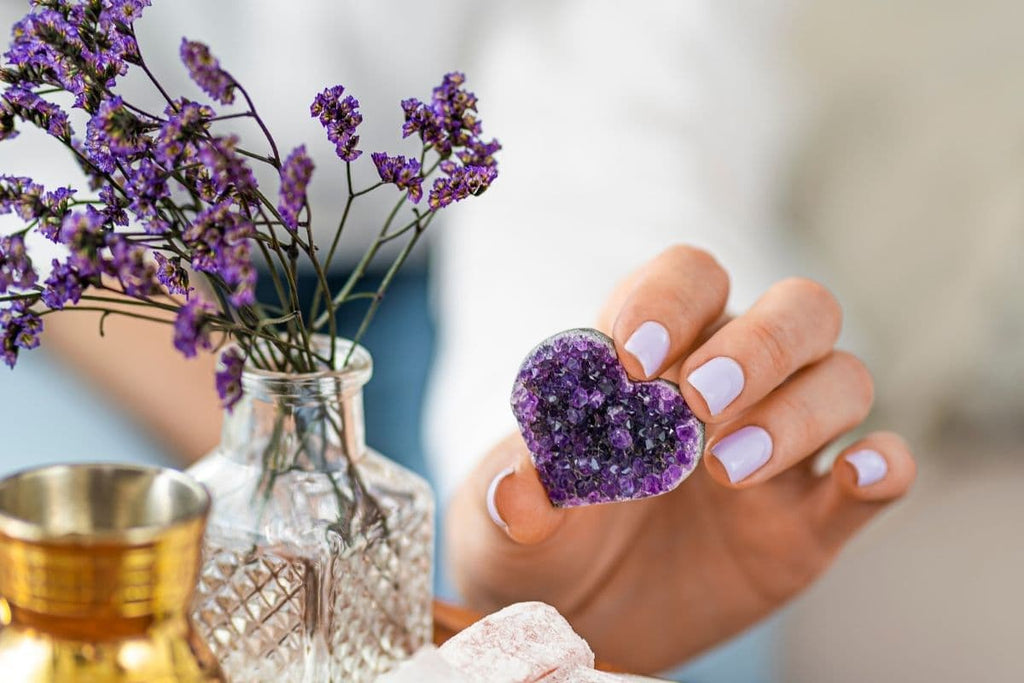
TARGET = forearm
x,y
135,364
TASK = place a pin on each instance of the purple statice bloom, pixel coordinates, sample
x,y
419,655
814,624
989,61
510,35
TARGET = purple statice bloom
x,y
205,70
228,378
16,269
81,47
19,329
146,185
7,117
339,115
115,135
448,122
115,21
461,182
420,118
124,11
55,207
190,327
129,265
113,205
64,285
22,196
224,172
295,175
85,234
44,48
170,273
479,153
219,243
403,173
176,140
26,105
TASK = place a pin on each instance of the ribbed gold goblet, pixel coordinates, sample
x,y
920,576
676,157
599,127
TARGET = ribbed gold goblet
x,y
97,568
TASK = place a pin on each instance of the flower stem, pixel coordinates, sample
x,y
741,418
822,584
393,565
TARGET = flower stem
x,y
259,120
388,277
361,267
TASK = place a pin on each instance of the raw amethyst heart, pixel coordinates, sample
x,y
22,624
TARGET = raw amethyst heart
x,y
595,435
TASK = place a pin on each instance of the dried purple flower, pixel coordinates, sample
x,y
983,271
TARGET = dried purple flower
x,y
64,285
219,243
479,153
114,134
191,331
85,233
20,195
461,182
170,273
340,117
129,265
26,105
403,173
49,211
224,172
229,378
295,175
420,118
205,70
124,11
176,141
146,185
16,269
114,205
81,47
19,329
449,124
42,44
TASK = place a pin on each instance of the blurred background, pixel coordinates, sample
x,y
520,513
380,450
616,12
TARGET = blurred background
x,y
876,146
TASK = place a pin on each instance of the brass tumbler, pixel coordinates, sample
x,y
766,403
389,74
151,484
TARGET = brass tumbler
x,y
97,568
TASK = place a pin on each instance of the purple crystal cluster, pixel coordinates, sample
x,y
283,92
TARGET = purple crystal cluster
x,y
595,435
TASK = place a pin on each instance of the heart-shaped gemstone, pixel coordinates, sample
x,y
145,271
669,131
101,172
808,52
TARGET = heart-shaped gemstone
x,y
595,435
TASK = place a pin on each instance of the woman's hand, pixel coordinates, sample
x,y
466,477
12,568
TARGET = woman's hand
x,y
652,582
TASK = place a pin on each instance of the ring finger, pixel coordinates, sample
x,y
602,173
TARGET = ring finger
x,y
815,406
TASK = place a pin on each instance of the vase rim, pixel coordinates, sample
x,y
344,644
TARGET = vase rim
x,y
88,496
329,381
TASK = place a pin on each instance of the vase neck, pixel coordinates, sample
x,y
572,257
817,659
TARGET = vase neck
x,y
290,421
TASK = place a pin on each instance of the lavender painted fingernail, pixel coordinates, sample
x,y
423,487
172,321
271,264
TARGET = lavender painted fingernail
x,y
743,452
492,490
719,382
870,466
649,345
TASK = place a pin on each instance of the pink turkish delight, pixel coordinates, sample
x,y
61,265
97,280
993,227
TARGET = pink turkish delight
x,y
523,643
426,666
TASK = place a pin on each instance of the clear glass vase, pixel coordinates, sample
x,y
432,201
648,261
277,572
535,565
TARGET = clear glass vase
x,y
318,555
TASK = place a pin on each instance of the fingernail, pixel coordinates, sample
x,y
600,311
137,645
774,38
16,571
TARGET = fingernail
x,y
719,382
743,452
492,509
870,465
649,345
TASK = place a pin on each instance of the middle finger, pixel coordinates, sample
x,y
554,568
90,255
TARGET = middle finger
x,y
795,323
817,405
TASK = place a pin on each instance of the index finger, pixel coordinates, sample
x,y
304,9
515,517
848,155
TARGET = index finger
x,y
672,299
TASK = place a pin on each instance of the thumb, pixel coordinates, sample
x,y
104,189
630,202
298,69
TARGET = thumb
x,y
517,501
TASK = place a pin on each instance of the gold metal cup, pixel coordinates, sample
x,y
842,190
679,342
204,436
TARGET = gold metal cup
x,y
97,568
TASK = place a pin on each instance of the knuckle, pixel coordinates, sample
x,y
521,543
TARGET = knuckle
x,y
861,383
774,344
819,298
801,418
